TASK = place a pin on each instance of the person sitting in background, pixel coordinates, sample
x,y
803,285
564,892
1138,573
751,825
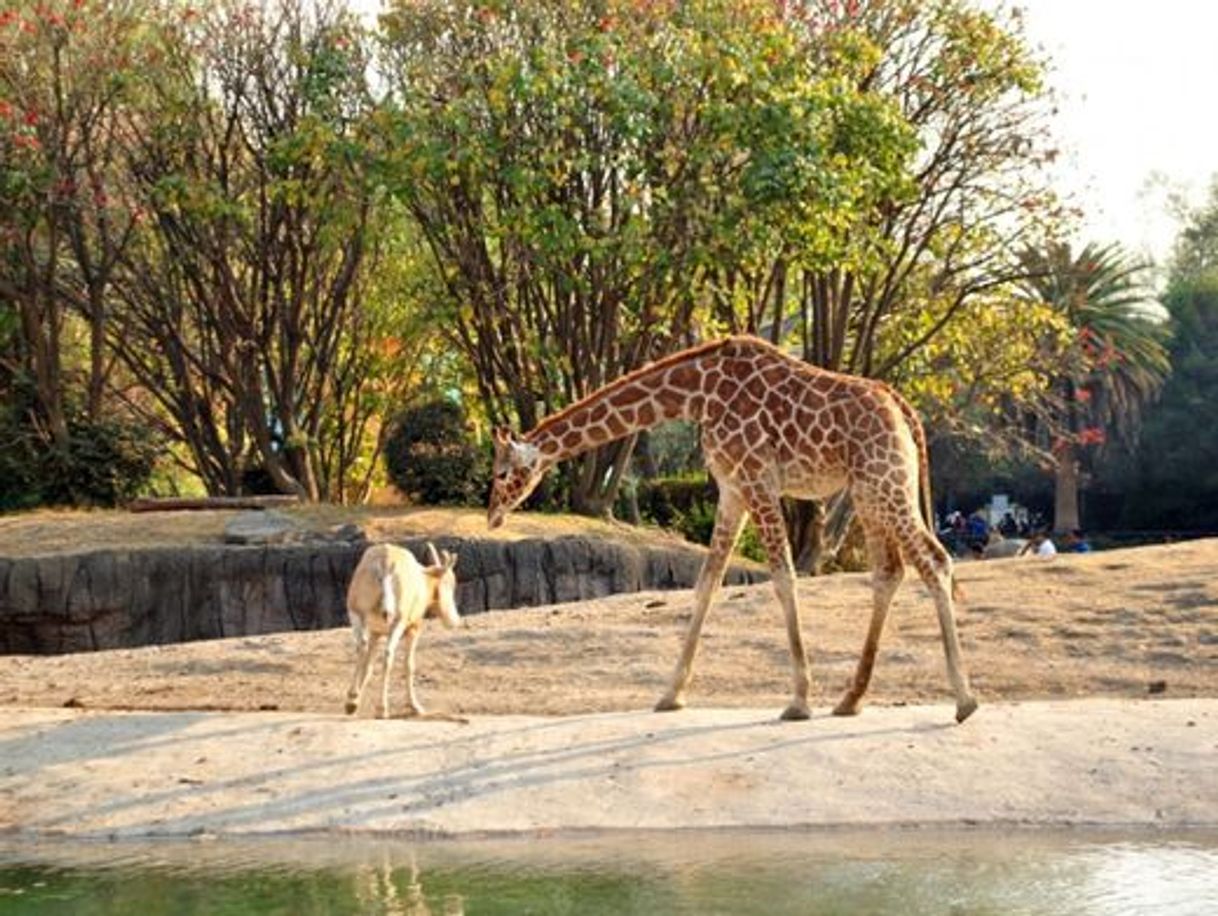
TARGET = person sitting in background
x,y
978,529
1008,527
1040,545
1076,542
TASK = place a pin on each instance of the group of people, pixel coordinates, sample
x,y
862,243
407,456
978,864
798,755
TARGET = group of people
x,y
1041,545
973,536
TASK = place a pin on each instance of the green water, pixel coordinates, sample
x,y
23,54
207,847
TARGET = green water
x,y
906,872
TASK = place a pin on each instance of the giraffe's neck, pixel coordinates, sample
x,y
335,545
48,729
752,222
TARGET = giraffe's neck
x,y
669,389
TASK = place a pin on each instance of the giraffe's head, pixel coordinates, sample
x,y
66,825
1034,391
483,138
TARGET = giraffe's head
x,y
518,469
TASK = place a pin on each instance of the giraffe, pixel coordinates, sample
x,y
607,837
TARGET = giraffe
x,y
770,426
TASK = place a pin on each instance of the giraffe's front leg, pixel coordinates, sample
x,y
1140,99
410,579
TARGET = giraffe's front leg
x,y
767,513
784,584
729,518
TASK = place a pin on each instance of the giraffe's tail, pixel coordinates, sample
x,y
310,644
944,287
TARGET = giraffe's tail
x,y
914,424
926,499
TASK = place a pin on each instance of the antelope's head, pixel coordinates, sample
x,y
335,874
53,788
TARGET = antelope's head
x,y
444,585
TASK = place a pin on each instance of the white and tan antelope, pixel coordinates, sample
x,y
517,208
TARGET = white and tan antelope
x,y
390,595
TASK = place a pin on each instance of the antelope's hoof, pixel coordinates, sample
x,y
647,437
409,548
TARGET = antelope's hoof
x,y
965,709
796,712
848,706
669,704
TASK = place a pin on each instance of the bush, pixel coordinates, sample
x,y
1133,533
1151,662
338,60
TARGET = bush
x,y
107,463
432,460
687,505
19,462
678,502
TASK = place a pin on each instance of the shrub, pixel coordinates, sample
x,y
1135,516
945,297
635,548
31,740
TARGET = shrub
x,y
687,505
678,502
431,458
107,463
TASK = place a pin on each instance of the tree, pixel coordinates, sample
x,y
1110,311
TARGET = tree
x,y
432,459
1171,482
1113,366
582,173
243,299
921,264
66,74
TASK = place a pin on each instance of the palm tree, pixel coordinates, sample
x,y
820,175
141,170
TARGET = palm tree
x,y
1115,363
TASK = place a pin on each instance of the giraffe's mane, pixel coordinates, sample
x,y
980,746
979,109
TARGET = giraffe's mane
x,y
631,377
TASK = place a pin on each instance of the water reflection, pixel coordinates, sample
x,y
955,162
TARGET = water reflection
x,y
376,890
771,872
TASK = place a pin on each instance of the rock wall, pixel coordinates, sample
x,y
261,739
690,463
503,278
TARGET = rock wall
x,y
109,599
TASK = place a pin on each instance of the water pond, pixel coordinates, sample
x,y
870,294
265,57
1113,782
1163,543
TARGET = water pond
x,y
738,872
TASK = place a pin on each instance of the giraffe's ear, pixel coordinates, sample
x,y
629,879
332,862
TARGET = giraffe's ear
x,y
503,435
523,454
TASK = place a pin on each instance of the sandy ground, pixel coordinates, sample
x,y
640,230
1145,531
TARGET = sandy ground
x,y
560,735
1087,762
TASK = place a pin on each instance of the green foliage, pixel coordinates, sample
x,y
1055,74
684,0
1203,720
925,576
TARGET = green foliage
x,y
206,215
584,173
1115,360
687,505
253,310
667,500
1171,483
108,462
431,458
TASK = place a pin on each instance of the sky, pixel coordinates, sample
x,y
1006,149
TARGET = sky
x,y
1136,83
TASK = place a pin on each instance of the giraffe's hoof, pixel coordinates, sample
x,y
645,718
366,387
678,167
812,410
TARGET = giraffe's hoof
x,y
351,707
848,706
965,709
414,711
796,712
669,704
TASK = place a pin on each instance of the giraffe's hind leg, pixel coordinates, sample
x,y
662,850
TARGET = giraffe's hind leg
x,y
887,571
928,556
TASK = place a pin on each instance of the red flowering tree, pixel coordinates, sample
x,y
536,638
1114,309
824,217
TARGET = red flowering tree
x,y
1114,364
68,70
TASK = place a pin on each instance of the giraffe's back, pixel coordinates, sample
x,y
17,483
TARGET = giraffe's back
x,y
819,431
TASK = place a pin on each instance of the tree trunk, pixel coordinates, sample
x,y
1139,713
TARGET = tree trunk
x,y
1065,490
805,531
596,486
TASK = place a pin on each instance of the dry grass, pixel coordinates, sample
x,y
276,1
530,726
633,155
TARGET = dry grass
x,y
1117,624
62,531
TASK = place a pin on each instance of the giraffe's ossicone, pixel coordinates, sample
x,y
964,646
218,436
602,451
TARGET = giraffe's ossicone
x,y
772,426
